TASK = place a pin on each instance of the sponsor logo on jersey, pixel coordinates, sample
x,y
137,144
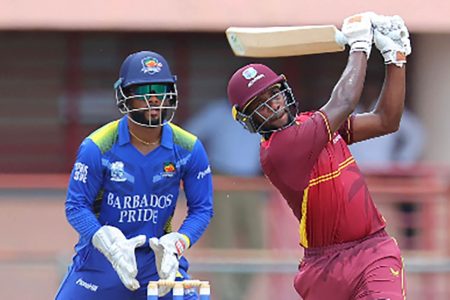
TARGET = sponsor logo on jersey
x,y
202,174
151,65
117,172
337,138
168,169
89,286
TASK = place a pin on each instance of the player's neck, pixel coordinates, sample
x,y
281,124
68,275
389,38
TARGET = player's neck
x,y
145,136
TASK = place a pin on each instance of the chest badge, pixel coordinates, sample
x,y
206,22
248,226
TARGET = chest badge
x,y
168,169
117,172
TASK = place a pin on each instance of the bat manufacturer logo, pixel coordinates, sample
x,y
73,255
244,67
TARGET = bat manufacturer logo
x,y
151,65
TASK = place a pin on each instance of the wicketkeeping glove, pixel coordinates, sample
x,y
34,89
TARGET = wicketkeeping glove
x,y
119,251
358,31
168,249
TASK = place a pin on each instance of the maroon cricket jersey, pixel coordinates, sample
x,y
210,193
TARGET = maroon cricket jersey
x,y
317,175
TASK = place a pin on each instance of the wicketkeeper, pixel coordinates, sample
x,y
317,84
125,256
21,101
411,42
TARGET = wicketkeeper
x,y
124,188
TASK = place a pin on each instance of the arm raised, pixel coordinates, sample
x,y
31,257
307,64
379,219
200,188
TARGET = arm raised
x,y
393,43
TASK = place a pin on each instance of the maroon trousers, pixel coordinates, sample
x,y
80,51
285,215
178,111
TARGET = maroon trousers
x,y
370,268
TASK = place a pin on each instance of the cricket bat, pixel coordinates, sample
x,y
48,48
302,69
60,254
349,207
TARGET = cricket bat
x,y
285,40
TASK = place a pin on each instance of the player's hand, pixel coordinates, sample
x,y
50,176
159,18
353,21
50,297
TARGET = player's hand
x,y
392,39
358,31
119,251
168,249
393,27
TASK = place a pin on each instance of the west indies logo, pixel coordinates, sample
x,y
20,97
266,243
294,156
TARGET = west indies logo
x,y
251,74
151,65
168,169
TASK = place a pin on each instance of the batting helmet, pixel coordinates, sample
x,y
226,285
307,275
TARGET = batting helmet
x,y
143,75
246,84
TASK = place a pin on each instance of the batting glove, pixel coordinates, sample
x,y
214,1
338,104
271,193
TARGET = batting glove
x,y
119,251
392,39
168,249
358,31
395,28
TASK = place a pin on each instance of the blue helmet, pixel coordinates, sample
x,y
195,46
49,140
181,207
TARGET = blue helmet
x,y
145,76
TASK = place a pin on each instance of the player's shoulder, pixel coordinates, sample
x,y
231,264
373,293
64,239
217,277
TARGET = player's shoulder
x,y
105,136
183,138
303,116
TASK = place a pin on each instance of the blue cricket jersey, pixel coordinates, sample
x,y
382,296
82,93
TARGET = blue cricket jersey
x,y
113,183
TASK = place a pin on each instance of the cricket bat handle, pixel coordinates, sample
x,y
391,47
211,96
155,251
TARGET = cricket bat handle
x,y
340,38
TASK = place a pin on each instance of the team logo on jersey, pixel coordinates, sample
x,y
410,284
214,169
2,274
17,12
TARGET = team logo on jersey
x,y
117,172
252,75
151,65
394,272
168,169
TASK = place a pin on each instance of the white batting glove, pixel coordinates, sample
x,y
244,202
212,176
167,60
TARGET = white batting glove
x,y
392,39
358,31
168,249
400,34
119,251
393,52
382,23
395,28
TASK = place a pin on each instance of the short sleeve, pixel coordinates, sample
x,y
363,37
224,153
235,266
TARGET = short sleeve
x,y
289,156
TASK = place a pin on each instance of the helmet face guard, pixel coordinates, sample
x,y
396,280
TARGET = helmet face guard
x,y
165,106
254,121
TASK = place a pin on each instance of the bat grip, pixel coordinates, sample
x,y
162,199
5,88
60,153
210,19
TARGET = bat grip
x,y
340,38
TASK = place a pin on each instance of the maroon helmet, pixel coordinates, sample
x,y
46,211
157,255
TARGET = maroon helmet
x,y
249,81
246,84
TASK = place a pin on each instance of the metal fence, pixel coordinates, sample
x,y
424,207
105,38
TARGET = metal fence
x,y
37,242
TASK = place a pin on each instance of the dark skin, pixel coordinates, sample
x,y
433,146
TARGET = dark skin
x,y
384,119
277,104
151,135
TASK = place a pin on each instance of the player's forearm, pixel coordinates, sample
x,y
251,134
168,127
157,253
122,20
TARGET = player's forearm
x,y
195,224
82,220
390,104
347,92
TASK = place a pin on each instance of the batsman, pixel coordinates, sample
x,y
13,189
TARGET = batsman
x,y
347,252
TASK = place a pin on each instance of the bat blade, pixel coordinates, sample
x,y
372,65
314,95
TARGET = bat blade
x,y
285,40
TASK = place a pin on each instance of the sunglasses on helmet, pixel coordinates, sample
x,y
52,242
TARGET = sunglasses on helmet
x,y
147,89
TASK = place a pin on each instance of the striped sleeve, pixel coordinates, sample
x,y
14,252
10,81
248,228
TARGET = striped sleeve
x,y
327,124
346,130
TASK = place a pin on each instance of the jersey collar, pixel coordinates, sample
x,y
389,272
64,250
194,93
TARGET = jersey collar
x,y
124,136
167,136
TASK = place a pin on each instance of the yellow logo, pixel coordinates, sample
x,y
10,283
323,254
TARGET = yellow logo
x,y
394,272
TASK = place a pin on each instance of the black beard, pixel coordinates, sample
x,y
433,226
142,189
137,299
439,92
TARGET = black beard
x,y
140,118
